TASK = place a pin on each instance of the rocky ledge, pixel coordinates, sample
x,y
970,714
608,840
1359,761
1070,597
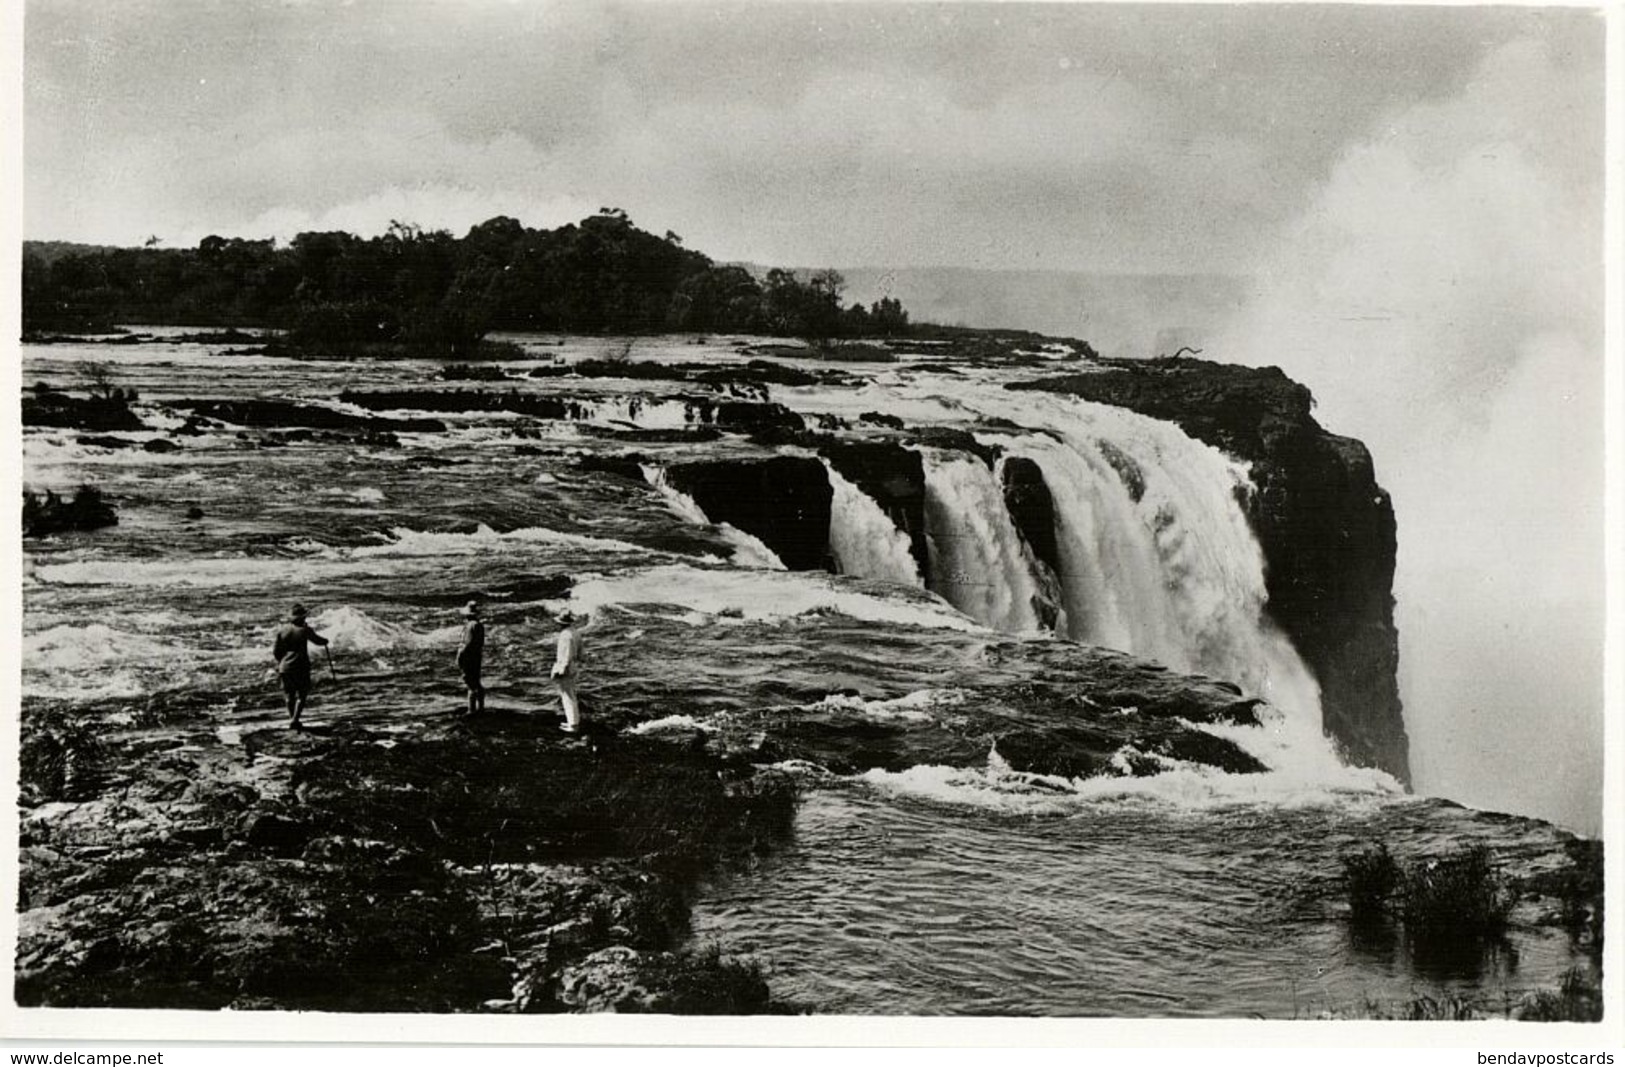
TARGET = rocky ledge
x,y
488,865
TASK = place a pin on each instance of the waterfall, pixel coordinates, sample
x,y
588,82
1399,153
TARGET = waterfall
x,y
864,539
1158,560
978,561
749,551
1156,556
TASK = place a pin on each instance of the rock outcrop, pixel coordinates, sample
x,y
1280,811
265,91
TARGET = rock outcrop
x,y
783,501
49,513
721,413
47,407
1032,508
482,866
955,440
1047,708
1326,528
536,405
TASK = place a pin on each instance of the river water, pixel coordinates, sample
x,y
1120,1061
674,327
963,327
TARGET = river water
x,y
937,896
920,889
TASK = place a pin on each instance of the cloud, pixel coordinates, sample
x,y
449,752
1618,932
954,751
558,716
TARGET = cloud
x,y
1081,136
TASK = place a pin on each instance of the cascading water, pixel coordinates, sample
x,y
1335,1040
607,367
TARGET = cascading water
x,y
864,540
1158,559
978,561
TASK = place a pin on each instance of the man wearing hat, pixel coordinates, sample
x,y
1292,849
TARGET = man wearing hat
x,y
566,669
292,654
471,654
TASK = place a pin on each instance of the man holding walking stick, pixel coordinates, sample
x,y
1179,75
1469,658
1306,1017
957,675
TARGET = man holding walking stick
x,y
292,654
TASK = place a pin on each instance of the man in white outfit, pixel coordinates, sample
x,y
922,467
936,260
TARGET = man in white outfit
x,y
566,670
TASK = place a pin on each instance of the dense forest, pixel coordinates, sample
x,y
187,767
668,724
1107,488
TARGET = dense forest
x,y
435,293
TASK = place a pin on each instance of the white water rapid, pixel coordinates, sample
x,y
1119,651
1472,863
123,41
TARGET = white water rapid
x,y
864,540
978,561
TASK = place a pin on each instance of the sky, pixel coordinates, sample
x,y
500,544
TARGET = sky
x,y
1413,197
1057,136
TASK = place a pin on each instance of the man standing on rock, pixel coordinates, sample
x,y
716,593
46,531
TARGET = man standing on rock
x,y
292,654
471,655
566,669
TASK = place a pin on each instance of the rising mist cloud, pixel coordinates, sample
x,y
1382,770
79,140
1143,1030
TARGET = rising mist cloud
x,y
1442,296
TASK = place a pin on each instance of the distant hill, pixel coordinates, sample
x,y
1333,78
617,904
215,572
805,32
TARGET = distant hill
x,y
1119,314
432,294
1134,315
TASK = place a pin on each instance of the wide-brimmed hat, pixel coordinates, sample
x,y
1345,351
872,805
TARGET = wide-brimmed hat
x,y
296,613
470,609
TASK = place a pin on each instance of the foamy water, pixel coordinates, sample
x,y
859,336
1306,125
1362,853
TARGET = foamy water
x,y
1180,786
977,558
759,596
351,629
864,540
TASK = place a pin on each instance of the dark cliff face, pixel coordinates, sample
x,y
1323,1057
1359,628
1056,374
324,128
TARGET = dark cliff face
x,y
783,501
1032,508
1326,527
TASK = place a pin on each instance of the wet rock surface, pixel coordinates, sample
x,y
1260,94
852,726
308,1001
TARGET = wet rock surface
x,y
485,864
469,400
107,441
722,413
48,513
1032,508
48,407
954,440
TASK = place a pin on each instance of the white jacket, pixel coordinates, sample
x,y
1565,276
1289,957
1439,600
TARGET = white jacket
x,y
568,662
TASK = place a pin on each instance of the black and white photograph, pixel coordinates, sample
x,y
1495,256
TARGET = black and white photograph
x,y
811,510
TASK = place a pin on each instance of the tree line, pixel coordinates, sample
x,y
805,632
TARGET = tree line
x,y
431,291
